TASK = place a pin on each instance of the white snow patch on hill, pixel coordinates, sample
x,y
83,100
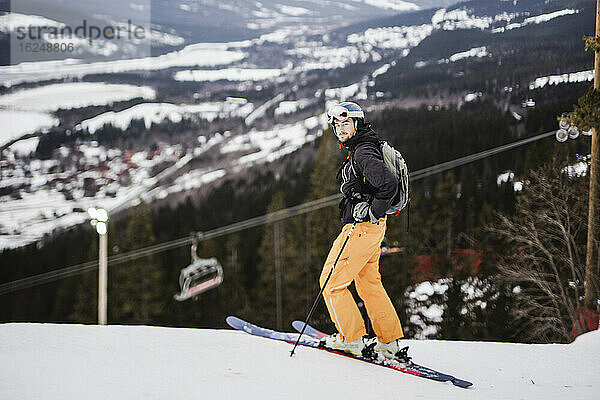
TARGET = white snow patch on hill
x,y
397,5
274,143
11,21
576,170
478,52
199,54
293,11
573,77
125,362
195,179
29,110
538,19
158,112
459,19
380,71
396,37
18,123
73,95
230,74
291,106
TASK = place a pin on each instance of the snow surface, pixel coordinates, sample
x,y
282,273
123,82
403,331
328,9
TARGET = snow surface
x,y
478,52
294,11
396,37
574,77
199,54
469,97
576,170
291,106
231,74
73,95
10,22
158,112
396,5
27,111
505,177
538,19
90,362
18,123
409,36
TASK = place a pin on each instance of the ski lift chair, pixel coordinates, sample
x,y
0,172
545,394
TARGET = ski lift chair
x,y
201,275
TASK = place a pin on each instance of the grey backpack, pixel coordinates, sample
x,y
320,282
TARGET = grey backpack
x,y
395,162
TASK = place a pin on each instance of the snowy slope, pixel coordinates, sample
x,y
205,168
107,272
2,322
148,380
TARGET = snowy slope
x,y
125,362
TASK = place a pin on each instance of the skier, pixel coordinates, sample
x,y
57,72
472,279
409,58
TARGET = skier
x,y
369,188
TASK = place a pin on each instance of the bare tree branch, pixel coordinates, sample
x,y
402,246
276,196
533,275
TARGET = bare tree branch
x,y
544,244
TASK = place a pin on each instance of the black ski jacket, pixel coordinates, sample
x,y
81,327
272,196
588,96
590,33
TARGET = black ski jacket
x,y
364,176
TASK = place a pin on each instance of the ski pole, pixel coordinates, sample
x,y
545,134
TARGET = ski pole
x,y
322,288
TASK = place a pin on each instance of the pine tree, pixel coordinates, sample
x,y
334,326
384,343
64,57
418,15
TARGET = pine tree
x,y
269,286
136,291
85,308
324,224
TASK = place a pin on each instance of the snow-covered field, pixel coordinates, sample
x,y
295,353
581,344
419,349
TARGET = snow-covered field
x,y
157,112
230,74
47,361
582,76
18,123
199,54
30,110
73,95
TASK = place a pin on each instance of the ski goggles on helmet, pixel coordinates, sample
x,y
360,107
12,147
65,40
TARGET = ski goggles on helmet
x,y
341,113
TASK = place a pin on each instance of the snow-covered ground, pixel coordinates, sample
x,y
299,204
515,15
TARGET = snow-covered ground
x,y
70,95
157,112
230,74
199,54
538,19
18,123
48,361
574,77
27,111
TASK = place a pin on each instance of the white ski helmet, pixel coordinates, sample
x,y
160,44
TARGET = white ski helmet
x,y
343,111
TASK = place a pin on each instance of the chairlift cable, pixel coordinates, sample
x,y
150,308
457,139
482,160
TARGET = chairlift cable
x,y
289,212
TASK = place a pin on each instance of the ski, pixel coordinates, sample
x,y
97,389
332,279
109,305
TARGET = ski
x,y
423,371
312,340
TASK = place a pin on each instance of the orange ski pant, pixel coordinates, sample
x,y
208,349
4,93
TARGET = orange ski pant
x,y
359,263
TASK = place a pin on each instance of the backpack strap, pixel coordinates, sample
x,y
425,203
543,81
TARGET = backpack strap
x,y
354,151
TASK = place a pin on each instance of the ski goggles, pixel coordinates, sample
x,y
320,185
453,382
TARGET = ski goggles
x,y
340,113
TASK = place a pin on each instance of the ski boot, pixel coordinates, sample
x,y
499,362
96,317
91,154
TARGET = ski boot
x,y
336,342
391,350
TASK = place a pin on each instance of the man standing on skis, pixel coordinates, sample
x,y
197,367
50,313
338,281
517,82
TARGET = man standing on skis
x,y
369,188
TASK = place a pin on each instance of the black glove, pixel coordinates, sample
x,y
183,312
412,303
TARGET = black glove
x,y
362,212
